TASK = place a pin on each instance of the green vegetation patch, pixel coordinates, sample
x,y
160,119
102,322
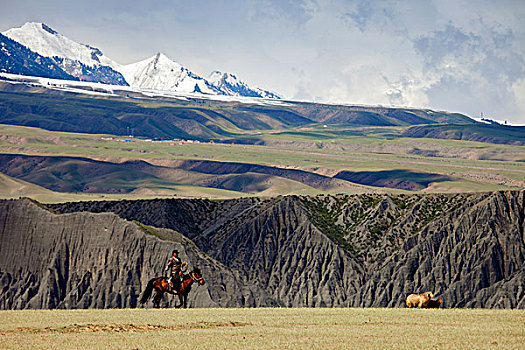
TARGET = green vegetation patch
x,y
323,213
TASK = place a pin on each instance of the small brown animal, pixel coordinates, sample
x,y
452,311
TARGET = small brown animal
x,y
419,300
434,303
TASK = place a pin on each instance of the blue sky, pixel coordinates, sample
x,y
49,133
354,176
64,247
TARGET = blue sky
x,y
461,56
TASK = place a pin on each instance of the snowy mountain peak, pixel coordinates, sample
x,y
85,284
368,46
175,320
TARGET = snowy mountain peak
x,y
160,73
229,84
48,29
42,39
84,62
88,63
15,58
161,56
34,26
161,61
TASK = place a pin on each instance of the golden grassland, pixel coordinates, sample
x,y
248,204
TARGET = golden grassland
x,y
263,328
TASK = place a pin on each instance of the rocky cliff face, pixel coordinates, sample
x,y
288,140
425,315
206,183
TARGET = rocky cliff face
x,y
86,260
361,250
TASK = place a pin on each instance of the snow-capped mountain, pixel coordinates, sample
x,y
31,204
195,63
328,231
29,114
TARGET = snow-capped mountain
x,y
161,73
15,58
229,84
82,61
89,64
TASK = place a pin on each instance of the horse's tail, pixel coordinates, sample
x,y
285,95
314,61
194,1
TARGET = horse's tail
x,y
147,292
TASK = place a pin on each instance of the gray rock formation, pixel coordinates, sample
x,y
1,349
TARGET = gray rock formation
x,y
337,251
86,260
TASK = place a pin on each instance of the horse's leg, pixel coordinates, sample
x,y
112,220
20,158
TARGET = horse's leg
x,y
157,299
161,295
185,301
180,302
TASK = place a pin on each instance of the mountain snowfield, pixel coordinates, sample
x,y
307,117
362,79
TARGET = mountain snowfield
x,y
157,73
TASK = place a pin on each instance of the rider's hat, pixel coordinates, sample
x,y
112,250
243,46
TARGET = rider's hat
x,y
175,251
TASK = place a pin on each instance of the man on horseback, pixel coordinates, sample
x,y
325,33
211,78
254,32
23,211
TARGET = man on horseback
x,y
175,264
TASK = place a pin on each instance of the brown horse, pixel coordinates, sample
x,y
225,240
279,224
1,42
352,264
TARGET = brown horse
x,y
161,285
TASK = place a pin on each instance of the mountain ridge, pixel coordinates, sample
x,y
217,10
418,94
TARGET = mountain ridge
x,y
358,250
235,87
88,63
82,61
16,58
293,251
160,73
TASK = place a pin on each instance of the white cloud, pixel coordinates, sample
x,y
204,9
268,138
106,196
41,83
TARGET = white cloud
x,y
519,91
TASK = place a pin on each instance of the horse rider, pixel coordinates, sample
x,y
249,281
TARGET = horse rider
x,y
175,264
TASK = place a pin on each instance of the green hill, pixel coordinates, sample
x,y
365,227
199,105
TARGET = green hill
x,y
491,133
190,117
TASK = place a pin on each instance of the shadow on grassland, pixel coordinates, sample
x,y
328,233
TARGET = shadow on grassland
x,y
401,179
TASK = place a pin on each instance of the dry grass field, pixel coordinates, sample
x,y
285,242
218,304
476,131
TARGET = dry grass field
x,y
263,328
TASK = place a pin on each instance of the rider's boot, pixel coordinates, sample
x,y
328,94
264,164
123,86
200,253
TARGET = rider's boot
x,y
176,283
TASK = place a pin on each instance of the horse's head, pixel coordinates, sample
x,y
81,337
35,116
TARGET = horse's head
x,y
197,276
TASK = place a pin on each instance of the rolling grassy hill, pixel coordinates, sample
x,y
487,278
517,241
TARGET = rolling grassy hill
x,y
189,117
261,148
491,133
300,161
73,174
